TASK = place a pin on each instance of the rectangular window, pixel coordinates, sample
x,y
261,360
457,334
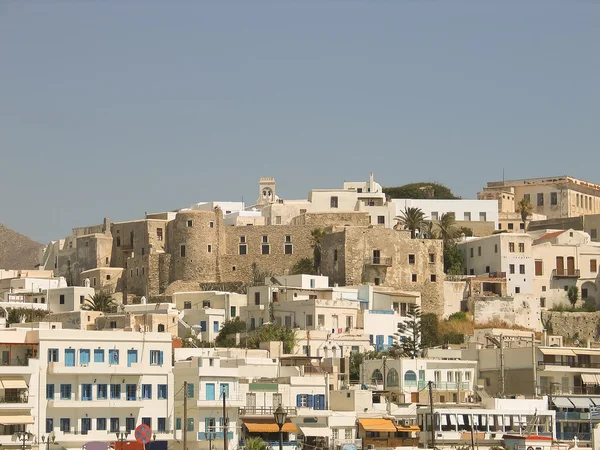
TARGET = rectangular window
x,y
433,278
147,391
65,425
69,357
86,425
49,392
190,392
511,268
471,252
113,357
540,199
101,424
162,391
84,357
130,392
156,357
233,311
182,251
265,249
102,392
81,299
434,215
65,392
511,247
265,239
115,391
511,226
52,355
522,269
49,425
277,220
210,391
517,290
243,249
178,423
216,326
539,268
333,202
594,234
98,356
288,249
584,293
190,223
62,299
381,220
411,259
211,224
467,217
132,357
521,247
209,248
86,392
432,258
479,251
257,298
190,424
159,234
129,423
161,424
242,239
224,390
147,421
553,198
414,277
495,248
309,320
203,326
114,425
593,265
482,217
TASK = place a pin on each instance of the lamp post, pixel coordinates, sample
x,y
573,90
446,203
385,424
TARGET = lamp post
x,y
23,436
50,439
280,416
122,437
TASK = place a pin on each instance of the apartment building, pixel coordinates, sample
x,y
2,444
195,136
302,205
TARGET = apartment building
x,y
504,253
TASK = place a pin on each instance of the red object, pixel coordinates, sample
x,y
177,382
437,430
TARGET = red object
x,y
143,434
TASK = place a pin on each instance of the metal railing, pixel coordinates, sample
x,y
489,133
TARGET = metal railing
x,y
265,410
378,261
570,435
447,386
16,399
582,364
575,273
15,362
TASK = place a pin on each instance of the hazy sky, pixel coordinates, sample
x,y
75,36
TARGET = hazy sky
x,y
113,108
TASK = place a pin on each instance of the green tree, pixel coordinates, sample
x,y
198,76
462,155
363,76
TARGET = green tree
x,y
230,327
19,315
573,295
303,266
255,443
101,302
453,259
270,333
420,191
430,333
525,209
411,219
466,231
408,337
317,239
447,227
429,231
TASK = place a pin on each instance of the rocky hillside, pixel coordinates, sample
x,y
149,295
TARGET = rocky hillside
x,y
16,250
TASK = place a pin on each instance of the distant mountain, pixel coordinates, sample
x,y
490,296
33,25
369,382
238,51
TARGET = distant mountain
x,y
17,251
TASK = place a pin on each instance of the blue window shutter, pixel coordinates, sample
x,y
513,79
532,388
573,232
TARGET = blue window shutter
x,y
390,340
203,325
310,401
299,400
322,401
316,405
178,423
160,358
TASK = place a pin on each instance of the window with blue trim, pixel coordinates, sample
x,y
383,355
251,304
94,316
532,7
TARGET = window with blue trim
x,y
224,389
161,424
52,355
101,392
115,391
49,425
65,425
216,326
86,392
86,425
114,424
162,391
202,326
49,392
98,355
113,356
156,357
70,357
178,423
132,357
190,424
190,392
65,392
147,391
101,424
84,356
130,391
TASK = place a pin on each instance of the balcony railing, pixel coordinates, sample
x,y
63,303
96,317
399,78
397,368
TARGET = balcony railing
x,y
265,411
574,273
579,364
15,399
447,386
560,415
15,362
569,390
378,261
570,435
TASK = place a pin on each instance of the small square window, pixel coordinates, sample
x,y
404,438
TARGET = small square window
x,y
211,224
377,281
182,251
381,220
265,239
265,249
411,259
209,248
511,226
190,223
432,258
517,290
288,238
242,239
288,249
414,277
433,278
243,250
543,288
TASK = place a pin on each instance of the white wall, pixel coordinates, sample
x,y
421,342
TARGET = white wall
x,y
458,207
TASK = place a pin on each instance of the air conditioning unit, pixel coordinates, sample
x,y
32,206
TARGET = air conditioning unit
x,y
84,365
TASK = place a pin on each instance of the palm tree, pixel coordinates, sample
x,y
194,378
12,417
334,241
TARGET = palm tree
x,y
100,302
525,208
317,238
447,227
429,230
411,219
255,443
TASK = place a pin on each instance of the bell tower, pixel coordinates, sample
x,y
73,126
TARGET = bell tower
x,y
266,191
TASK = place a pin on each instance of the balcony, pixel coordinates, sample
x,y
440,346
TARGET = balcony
x,y
233,401
391,442
569,436
378,261
78,403
357,443
573,273
567,416
446,386
107,369
14,400
578,364
202,436
265,411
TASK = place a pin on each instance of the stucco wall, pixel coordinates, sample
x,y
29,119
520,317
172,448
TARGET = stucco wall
x,y
522,310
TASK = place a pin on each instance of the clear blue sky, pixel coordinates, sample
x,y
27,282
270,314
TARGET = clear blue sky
x,y
113,108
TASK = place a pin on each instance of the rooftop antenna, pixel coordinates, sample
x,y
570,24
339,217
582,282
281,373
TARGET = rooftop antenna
x,y
503,175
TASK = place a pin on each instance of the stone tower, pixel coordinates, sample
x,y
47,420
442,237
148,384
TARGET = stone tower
x,y
266,191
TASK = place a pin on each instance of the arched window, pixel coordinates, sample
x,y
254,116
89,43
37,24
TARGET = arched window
x,y
161,328
392,377
377,377
410,378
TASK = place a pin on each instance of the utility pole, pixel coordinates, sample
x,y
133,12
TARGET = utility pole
x,y
225,420
185,411
384,370
430,385
472,438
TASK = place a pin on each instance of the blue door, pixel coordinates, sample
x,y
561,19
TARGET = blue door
x,y
210,391
84,356
131,357
70,357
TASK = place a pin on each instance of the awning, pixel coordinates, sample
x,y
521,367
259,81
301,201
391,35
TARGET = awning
x,y
268,426
589,378
587,351
557,351
316,431
408,429
381,425
562,402
14,384
16,420
581,402
596,400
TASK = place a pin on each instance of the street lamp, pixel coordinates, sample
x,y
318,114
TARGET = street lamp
x,y
23,436
122,437
50,439
280,416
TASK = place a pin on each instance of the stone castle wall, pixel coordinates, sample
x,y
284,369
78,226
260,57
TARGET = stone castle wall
x,y
573,325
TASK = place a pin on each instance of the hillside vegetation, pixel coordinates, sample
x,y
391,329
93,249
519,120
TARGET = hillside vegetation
x,y
420,191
